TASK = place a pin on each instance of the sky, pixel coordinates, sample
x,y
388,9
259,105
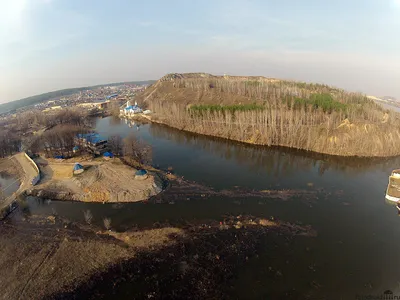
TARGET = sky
x,y
47,45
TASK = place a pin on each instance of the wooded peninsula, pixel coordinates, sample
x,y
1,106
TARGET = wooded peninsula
x,y
273,112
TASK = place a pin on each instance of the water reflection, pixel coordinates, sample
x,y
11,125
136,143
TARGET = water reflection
x,y
352,226
8,184
276,161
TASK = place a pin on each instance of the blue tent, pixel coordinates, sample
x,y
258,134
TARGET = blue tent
x,y
78,167
141,172
108,154
76,148
59,157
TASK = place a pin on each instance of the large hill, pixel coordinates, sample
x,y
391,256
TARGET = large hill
x,y
269,111
13,105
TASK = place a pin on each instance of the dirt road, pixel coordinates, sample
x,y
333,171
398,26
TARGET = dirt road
x,y
29,173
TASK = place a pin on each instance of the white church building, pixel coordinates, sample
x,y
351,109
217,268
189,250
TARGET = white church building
x,y
130,109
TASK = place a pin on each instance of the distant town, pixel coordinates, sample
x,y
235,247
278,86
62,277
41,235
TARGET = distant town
x,y
96,98
386,99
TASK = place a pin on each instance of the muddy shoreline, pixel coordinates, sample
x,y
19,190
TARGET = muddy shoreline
x,y
196,260
146,118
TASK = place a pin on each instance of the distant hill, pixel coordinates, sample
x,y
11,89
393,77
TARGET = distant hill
x,y
14,105
270,111
389,98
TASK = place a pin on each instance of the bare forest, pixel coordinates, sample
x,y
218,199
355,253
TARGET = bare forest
x,y
136,152
266,111
36,131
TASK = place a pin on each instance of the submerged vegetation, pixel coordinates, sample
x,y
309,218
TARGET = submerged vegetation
x,y
266,111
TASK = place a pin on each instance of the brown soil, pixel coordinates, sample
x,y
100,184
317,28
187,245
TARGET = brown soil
x,y
53,259
10,167
39,256
180,189
102,181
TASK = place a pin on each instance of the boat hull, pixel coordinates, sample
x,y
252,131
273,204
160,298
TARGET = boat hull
x,y
392,199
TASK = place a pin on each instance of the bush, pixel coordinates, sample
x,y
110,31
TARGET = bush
x,y
88,216
107,223
201,108
323,101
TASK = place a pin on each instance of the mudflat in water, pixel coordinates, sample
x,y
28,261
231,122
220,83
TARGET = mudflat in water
x,y
355,252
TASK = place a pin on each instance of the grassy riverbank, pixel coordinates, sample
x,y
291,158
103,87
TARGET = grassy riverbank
x,y
265,111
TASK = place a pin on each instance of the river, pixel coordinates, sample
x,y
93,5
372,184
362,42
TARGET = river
x,y
356,250
8,185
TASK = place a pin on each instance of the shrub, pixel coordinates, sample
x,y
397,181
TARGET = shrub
x,y
323,101
88,216
107,223
201,108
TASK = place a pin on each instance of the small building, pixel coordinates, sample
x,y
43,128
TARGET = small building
x,y
103,105
78,169
108,155
93,142
141,174
53,108
131,110
111,96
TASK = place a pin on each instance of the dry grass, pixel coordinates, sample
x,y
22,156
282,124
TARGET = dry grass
x,y
37,260
60,171
149,238
42,258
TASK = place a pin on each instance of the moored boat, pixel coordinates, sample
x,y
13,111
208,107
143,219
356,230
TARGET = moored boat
x,y
393,189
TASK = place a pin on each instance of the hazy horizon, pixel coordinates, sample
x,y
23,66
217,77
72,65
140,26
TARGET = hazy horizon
x,y
57,44
77,87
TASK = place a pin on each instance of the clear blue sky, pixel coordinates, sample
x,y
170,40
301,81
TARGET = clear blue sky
x,y
52,44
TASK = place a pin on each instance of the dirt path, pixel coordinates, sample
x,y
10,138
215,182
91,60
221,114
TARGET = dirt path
x,y
29,173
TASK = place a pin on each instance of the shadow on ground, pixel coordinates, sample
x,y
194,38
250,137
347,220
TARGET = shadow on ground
x,y
203,263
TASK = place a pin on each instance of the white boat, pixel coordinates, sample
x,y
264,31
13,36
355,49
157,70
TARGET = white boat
x,y
393,189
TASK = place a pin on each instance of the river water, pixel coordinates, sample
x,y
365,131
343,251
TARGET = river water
x,y
356,252
8,185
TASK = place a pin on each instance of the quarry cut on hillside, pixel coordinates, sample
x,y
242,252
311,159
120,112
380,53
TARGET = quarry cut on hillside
x,y
109,181
273,112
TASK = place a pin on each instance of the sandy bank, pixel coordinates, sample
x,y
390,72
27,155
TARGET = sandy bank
x,y
102,181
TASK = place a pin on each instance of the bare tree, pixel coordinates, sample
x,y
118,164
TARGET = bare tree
x,y
60,139
116,144
9,143
114,108
294,114
107,223
88,216
136,152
